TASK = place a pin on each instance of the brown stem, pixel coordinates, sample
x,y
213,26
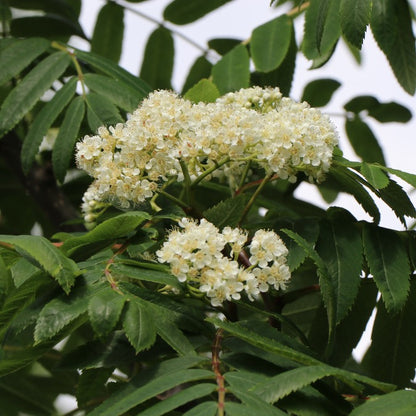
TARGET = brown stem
x,y
216,348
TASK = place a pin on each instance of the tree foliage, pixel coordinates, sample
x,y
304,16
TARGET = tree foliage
x,y
93,314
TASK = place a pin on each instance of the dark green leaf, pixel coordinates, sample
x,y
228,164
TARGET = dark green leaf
x,y
223,45
47,256
387,258
43,121
138,322
340,247
107,39
48,26
374,175
391,24
110,230
270,42
101,111
158,57
63,148
117,92
388,112
204,91
182,12
30,89
203,409
400,349
322,28
104,310
363,141
200,69
361,103
61,311
319,92
92,384
355,16
18,55
227,212
410,178
135,392
66,8
232,72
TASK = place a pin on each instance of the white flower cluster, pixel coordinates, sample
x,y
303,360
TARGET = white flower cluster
x,y
256,125
195,254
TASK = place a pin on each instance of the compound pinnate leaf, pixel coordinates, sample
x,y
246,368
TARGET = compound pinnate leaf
x,y
101,111
319,92
46,256
270,42
355,16
22,98
374,175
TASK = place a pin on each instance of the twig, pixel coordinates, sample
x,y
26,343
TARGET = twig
x,y
216,348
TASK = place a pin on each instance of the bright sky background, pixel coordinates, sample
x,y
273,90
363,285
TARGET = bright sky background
x,y
237,19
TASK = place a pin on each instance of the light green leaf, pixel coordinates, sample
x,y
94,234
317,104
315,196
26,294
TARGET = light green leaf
x,y
18,55
363,141
43,121
101,111
138,322
108,67
110,229
182,12
63,148
46,256
232,72
374,175
319,92
203,409
340,247
107,39
398,403
387,258
200,69
410,178
355,16
25,95
157,65
179,399
61,311
115,91
391,24
270,43
204,91
135,392
104,310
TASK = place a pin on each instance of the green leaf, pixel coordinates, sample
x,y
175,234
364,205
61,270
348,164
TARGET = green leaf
x,y
355,16
200,69
322,28
157,65
47,256
50,26
135,392
387,258
227,212
179,399
389,112
270,42
107,39
104,310
25,95
117,92
391,24
63,148
138,322
61,311
18,55
43,121
108,67
319,92
339,246
232,72
204,91
91,385
203,409
182,12
374,175
101,111
410,178
399,403
223,45
110,230
393,360
361,103
363,141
